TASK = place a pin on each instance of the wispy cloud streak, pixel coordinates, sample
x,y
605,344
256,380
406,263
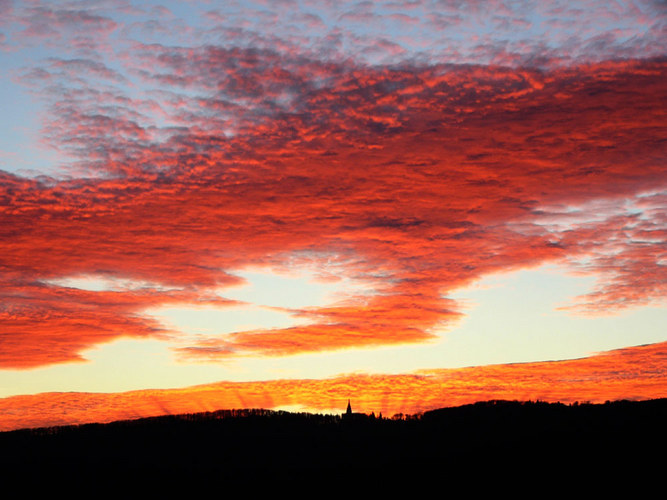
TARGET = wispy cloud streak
x,y
632,373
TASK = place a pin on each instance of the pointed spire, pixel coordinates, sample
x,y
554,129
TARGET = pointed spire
x,y
349,408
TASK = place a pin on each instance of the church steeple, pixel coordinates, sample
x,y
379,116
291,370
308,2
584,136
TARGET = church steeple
x,y
349,408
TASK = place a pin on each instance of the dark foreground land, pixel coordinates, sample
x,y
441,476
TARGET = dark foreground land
x,y
497,439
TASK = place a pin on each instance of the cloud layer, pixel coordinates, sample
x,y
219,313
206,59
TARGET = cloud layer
x,y
414,172
633,373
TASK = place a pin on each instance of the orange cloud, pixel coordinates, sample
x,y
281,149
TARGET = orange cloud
x,y
631,373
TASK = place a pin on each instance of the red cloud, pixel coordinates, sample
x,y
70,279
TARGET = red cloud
x,y
47,324
417,179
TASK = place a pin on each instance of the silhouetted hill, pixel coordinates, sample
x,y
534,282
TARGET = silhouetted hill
x,y
490,439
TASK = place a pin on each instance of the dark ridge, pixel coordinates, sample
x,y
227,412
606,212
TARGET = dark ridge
x,y
494,439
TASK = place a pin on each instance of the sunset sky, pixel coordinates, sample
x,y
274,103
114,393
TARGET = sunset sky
x,y
285,204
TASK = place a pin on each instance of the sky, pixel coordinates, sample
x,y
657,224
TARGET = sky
x,y
287,204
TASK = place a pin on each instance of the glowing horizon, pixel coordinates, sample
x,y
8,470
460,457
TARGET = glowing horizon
x,y
297,195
